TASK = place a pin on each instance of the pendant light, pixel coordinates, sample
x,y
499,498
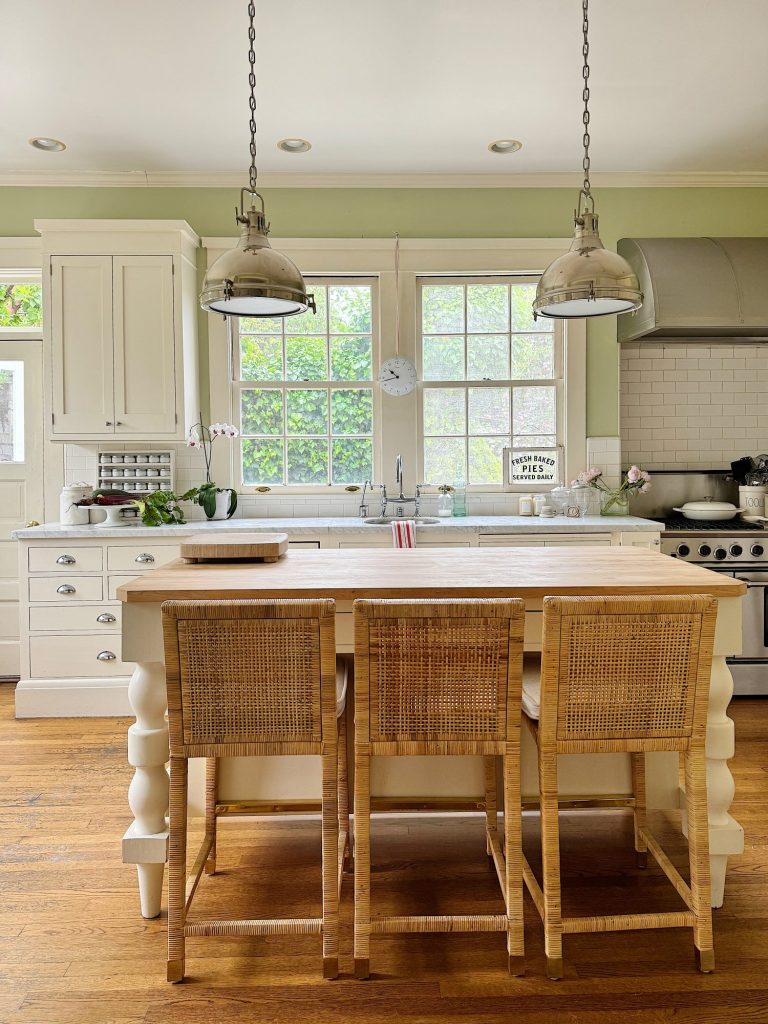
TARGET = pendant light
x,y
589,280
253,279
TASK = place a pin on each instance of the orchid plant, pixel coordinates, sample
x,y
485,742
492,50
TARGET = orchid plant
x,y
636,481
203,436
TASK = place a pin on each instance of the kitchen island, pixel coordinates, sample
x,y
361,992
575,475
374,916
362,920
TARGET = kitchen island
x,y
530,573
70,658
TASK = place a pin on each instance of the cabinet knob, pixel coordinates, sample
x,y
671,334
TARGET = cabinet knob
x,y
65,560
65,588
118,423
106,617
144,558
106,656
108,423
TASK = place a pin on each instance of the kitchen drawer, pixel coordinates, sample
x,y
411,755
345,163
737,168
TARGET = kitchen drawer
x,y
578,540
76,617
510,540
76,656
113,582
56,588
139,557
65,559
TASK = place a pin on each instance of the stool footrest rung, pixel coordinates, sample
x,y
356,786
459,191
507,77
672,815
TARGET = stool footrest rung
x,y
442,923
280,926
628,922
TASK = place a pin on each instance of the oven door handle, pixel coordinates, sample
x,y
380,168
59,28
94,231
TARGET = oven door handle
x,y
751,585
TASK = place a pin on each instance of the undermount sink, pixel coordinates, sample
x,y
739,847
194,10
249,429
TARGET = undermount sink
x,y
385,520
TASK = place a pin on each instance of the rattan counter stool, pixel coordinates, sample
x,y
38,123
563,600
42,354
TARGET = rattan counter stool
x,y
624,674
249,678
440,677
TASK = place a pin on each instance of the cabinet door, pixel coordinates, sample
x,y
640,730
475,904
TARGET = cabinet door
x,y
145,365
81,345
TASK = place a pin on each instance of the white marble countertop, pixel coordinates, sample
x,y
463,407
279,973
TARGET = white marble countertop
x,y
351,524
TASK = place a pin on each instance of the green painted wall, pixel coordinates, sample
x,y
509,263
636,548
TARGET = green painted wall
x,y
427,213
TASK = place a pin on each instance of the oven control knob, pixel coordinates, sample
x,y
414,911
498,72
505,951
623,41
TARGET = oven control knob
x,y
720,554
683,551
756,550
705,550
736,550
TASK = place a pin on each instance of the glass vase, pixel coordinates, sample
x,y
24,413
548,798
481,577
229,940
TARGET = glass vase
x,y
613,503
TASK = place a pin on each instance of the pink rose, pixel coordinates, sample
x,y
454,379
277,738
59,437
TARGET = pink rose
x,y
634,474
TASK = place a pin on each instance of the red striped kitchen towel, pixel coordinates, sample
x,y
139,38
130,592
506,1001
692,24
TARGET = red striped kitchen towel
x,y
403,533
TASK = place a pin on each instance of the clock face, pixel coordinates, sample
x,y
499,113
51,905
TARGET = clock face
x,y
397,376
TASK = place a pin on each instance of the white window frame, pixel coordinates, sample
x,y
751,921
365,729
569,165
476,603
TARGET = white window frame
x,y
20,276
238,386
419,257
558,381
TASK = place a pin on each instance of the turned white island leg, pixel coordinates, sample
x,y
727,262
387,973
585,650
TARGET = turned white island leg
x,y
145,844
726,836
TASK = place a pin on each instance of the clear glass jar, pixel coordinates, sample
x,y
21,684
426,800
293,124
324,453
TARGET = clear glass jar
x,y
445,504
459,498
559,498
581,497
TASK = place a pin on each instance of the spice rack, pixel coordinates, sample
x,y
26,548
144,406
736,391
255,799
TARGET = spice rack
x,y
137,472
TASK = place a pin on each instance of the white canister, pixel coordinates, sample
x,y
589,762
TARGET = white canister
x,y
70,513
752,499
539,501
525,505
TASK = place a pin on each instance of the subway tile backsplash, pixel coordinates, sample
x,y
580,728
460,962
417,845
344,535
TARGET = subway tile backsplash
x,y
81,463
692,406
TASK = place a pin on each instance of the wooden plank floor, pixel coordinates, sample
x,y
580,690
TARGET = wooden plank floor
x,y
76,951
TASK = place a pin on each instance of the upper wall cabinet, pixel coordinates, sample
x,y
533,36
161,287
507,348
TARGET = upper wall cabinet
x,y
120,329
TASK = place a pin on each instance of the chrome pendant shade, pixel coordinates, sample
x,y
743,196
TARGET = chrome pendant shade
x,y
589,280
253,279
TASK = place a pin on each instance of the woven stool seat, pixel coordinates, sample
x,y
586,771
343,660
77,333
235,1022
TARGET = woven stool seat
x,y
624,674
441,677
250,678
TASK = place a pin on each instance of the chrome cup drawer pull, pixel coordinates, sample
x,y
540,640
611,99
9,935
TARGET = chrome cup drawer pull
x,y
106,617
106,656
65,588
144,558
65,560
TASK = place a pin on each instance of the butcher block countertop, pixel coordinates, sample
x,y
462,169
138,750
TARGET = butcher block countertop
x,y
346,574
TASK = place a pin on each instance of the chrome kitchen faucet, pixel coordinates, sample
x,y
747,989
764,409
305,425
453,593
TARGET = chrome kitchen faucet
x,y
401,500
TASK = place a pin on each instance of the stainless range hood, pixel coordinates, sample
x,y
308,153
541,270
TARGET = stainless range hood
x,y
698,289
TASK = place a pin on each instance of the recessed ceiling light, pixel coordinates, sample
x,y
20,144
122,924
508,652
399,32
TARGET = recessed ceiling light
x,y
294,145
505,146
47,145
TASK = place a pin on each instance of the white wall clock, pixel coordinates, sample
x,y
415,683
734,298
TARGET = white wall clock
x,y
397,376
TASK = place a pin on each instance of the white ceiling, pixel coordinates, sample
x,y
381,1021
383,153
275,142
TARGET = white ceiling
x,y
383,87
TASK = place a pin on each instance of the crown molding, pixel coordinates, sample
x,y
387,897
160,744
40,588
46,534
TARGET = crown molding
x,y
202,179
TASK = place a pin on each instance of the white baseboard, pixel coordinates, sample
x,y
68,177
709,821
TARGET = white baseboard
x,y
73,698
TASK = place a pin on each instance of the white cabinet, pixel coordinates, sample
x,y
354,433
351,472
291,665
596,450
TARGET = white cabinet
x,y
144,350
542,540
120,329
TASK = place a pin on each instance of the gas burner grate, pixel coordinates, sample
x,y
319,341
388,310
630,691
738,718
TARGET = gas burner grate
x,y
728,526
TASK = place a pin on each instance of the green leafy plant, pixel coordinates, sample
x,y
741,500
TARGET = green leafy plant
x,y
161,508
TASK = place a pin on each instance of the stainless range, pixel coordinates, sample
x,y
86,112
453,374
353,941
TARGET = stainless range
x,y
738,549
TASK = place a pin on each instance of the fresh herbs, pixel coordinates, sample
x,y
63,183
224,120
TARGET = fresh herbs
x,y
161,508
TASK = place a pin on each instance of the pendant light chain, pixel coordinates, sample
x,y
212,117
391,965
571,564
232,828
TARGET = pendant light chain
x,y
252,172
585,96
